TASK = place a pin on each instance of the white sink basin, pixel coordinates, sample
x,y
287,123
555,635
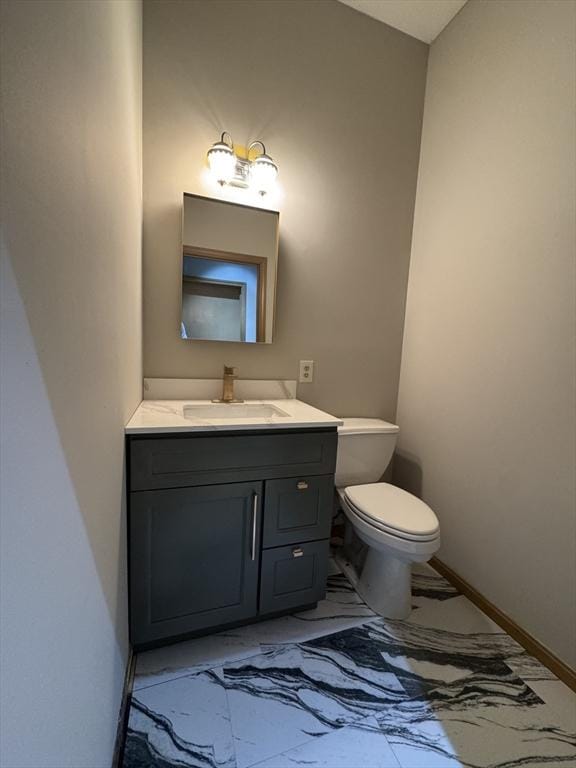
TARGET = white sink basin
x,y
231,411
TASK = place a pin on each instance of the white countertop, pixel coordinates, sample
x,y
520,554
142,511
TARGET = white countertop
x,y
157,416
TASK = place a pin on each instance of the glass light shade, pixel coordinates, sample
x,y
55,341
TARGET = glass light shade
x,y
222,162
263,173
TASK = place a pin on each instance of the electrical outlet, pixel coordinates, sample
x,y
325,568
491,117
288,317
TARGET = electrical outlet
x,y
306,371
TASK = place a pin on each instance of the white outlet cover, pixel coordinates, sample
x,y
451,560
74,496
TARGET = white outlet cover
x,y
306,371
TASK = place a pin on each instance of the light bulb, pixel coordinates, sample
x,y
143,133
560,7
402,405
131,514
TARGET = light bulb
x,y
263,172
222,162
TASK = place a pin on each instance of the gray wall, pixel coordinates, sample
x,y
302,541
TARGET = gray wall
x,y
71,370
337,97
486,404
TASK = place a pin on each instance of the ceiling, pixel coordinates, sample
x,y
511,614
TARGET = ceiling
x,y
423,19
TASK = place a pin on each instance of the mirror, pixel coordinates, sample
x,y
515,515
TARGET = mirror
x,y
229,265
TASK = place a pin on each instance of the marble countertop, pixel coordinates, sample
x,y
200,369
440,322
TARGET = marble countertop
x,y
157,416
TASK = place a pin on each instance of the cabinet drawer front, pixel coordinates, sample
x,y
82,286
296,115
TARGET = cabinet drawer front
x,y
293,576
194,559
206,459
298,509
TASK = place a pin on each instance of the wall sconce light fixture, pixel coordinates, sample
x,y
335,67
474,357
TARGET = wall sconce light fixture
x,y
222,160
228,167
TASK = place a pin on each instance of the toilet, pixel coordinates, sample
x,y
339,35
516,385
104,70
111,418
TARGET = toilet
x,y
398,528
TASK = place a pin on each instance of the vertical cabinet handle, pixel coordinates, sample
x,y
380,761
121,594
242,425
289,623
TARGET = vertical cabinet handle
x,y
254,526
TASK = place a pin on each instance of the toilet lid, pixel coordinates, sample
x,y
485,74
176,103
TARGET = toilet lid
x,y
394,509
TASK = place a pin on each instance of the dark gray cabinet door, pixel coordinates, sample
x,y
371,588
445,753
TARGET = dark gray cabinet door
x,y
293,576
298,509
194,559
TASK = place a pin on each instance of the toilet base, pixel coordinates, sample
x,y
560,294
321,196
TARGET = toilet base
x,y
385,585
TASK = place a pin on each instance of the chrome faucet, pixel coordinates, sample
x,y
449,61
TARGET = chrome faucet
x,y
228,386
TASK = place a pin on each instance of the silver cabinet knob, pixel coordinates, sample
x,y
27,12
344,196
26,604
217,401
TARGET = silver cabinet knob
x,y
298,552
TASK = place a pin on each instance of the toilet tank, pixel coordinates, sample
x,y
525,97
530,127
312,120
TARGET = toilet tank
x,y
365,447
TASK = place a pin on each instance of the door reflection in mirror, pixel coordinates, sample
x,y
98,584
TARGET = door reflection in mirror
x,y
220,299
229,265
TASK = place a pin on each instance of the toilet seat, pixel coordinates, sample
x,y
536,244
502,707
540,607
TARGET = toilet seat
x,y
393,511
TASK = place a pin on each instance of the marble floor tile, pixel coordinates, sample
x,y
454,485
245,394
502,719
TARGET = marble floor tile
x,y
489,718
424,669
560,699
528,668
338,687
361,745
480,736
286,697
413,645
179,659
428,584
184,722
455,615
422,651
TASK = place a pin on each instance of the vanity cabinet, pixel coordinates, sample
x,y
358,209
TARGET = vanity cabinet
x,y
226,528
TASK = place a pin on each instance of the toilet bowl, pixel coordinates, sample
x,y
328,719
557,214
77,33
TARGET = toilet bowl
x,y
397,528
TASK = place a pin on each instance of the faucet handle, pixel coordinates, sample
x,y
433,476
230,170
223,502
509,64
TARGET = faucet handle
x,y
229,370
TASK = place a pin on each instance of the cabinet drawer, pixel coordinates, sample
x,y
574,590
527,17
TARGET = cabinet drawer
x,y
298,509
170,462
293,576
